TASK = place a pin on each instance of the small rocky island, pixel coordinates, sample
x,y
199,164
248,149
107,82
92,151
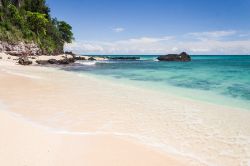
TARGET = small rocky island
x,y
182,57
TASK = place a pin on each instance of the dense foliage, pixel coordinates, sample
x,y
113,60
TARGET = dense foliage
x,y
30,21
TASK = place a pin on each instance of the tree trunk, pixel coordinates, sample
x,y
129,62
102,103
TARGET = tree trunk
x,y
17,2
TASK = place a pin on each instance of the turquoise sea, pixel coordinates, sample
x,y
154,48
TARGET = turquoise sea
x,y
220,79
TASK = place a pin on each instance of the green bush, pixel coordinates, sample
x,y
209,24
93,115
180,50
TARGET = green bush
x,y
37,22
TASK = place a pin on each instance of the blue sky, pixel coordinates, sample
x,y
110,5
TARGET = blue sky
x,y
156,26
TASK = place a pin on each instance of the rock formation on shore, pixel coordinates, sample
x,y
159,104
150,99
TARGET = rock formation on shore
x,y
52,61
182,57
24,61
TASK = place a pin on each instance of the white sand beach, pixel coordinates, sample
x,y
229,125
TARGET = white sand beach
x,y
54,117
24,144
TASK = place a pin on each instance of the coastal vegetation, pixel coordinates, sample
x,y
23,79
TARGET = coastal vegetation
x,y
30,21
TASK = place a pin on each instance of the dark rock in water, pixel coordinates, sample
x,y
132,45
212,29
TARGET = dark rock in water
x,y
78,58
24,61
66,61
42,62
124,58
183,57
71,60
63,61
52,61
92,59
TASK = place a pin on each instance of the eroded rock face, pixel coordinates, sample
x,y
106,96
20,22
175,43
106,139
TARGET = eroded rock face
x,y
20,49
182,57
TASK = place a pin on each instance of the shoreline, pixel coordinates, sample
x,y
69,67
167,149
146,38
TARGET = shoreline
x,y
127,155
177,92
61,84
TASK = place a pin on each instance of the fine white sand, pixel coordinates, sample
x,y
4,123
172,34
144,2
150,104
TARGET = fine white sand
x,y
21,143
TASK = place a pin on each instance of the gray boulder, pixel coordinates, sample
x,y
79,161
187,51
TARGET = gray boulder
x,y
52,61
42,62
78,58
92,59
66,61
24,61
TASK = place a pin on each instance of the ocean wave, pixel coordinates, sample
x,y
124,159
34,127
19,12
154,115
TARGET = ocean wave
x,y
88,63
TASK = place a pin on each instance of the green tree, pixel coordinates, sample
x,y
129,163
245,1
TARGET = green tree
x,y
5,3
66,31
38,6
37,22
15,18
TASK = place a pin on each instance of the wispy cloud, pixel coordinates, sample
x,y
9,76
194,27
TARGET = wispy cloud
x,y
144,40
215,42
118,29
211,35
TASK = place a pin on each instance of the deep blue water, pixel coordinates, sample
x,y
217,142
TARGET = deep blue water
x,y
222,79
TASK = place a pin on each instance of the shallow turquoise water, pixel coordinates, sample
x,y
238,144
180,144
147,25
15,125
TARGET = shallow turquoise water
x,y
218,79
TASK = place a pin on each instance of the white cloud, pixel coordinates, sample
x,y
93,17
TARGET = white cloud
x,y
144,40
212,43
211,35
129,46
118,29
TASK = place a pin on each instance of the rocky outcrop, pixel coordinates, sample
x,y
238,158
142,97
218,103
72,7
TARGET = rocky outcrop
x,y
64,61
42,62
20,49
69,53
91,59
79,58
52,61
24,61
182,57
